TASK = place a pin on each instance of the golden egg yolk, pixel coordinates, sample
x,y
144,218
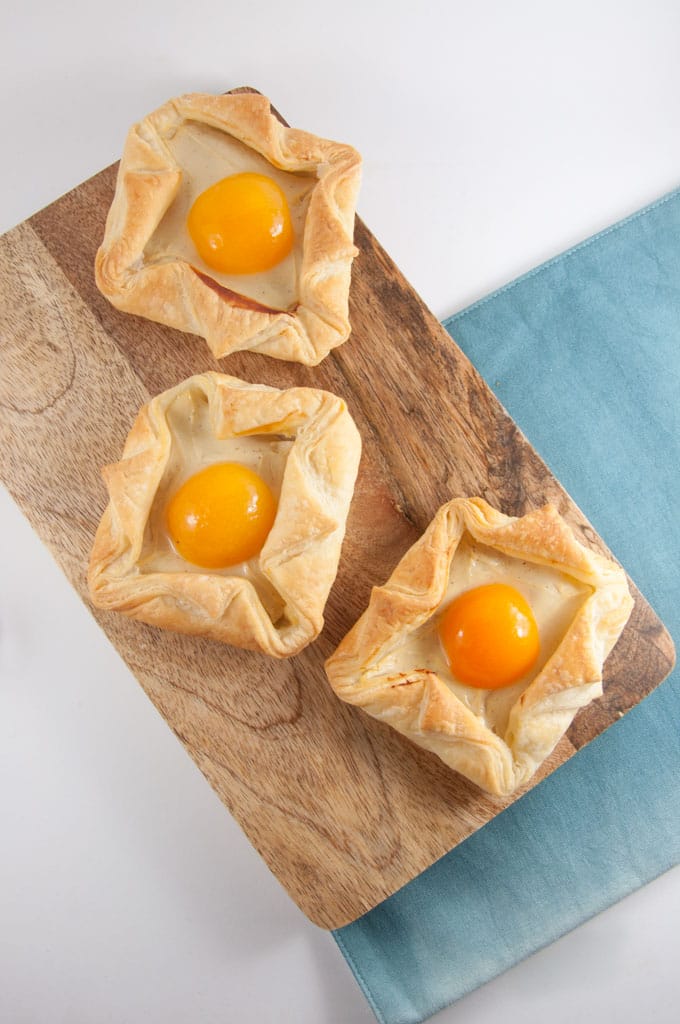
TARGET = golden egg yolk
x,y
221,516
241,224
490,636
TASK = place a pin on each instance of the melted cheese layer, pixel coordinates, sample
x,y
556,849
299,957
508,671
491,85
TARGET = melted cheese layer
x,y
554,599
194,446
205,156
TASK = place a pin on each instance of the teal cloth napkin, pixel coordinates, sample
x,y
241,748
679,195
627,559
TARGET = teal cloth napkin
x,y
584,353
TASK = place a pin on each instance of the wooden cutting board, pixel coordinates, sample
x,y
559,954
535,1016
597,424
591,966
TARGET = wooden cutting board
x,y
343,810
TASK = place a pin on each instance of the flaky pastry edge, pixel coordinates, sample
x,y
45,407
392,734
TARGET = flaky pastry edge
x,y
173,293
301,554
422,707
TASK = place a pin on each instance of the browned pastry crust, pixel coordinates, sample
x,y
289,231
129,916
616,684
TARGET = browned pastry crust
x,y
300,556
421,706
173,292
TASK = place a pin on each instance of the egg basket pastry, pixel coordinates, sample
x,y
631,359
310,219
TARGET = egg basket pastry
x,y
227,224
227,513
486,640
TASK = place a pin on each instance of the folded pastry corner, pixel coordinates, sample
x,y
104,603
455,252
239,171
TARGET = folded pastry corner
x,y
274,276
242,450
486,640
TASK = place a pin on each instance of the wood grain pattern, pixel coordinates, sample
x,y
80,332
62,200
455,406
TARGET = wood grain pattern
x,y
343,810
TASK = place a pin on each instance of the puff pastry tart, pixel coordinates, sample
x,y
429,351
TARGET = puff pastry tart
x,y
486,640
227,513
227,224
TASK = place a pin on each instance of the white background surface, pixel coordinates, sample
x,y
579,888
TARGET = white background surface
x,y
494,135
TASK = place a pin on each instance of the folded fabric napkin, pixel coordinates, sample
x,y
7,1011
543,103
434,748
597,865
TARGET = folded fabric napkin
x,y
584,353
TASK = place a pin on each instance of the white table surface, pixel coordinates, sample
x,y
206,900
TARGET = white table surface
x,y
494,135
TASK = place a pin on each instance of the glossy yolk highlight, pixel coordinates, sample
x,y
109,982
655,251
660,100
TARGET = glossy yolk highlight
x,y
241,224
490,636
221,516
